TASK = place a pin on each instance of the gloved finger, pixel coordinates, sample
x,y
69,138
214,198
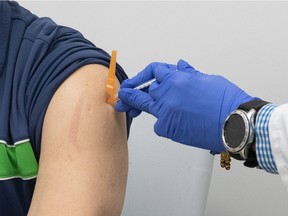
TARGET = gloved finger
x,y
142,77
159,129
163,71
153,86
185,66
135,98
120,106
145,75
153,90
172,67
134,113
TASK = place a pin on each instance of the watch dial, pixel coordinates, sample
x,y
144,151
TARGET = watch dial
x,y
234,131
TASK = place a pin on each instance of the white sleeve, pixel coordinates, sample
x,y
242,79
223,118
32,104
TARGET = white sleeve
x,y
278,131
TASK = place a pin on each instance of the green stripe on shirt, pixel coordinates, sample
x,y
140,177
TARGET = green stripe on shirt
x,y
17,161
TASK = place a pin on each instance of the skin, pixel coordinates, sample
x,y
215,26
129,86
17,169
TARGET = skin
x,y
84,158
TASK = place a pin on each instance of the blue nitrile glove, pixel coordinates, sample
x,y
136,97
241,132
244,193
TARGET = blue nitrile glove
x,y
190,106
139,79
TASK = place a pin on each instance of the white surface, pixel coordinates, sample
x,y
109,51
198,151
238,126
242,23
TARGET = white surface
x,y
247,42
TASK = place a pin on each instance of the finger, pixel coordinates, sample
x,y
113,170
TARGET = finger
x,y
159,129
133,113
172,66
153,86
163,71
184,66
141,77
153,90
135,98
120,106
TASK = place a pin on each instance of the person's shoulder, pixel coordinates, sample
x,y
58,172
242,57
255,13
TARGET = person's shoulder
x,y
34,26
18,12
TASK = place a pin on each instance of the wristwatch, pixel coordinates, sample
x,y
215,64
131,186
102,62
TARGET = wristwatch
x,y
238,132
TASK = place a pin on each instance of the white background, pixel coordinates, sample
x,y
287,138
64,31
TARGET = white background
x,y
247,42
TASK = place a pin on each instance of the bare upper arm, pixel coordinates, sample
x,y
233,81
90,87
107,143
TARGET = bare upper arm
x,y
83,162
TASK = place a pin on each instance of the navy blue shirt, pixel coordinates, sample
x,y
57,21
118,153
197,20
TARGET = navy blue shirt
x,y
36,56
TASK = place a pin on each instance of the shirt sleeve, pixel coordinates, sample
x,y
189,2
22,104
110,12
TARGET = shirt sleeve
x,y
278,130
263,145
55,52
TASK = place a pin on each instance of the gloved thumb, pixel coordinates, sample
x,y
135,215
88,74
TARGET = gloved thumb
x,y
120,106
159,129
135,98
184,66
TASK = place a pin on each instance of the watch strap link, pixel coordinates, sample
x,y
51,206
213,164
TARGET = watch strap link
x,y
251,161
256,104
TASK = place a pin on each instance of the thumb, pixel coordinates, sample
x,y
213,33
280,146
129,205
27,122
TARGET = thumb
x,y
155,69
136,99
184,66
163,71
161,128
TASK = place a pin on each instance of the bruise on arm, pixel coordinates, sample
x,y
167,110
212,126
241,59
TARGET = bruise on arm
x,y
84,158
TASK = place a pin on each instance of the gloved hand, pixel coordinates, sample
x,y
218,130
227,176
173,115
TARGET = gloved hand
x,y
142,77
190,106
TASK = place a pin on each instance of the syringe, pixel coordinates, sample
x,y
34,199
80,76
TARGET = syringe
x,y
145,85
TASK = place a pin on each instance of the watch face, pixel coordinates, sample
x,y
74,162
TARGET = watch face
x,y
235,131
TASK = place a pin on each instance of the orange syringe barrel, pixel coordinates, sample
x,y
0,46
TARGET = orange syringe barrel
x,y
111,95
